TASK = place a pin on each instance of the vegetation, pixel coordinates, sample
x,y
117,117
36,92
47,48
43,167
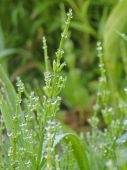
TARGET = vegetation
x,y
32,120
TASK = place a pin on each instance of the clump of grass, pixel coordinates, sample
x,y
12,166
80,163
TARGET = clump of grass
x,y
33,131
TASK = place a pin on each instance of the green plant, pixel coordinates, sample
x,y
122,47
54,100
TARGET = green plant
x,y
37,140
34,132
21,33
76,96
105,145
22,41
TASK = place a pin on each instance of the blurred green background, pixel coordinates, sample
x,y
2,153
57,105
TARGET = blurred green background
x,y
24,23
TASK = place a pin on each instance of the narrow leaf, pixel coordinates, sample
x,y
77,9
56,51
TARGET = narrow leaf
x,y
85,7
78,146
83,27
6,115
117,21
11,94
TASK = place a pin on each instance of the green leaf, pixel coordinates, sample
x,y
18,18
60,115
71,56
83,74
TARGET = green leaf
x,y
83,27
8,105
1,39
79,148
85,7
6,115
10,94
6,52
117,21
39,154
102,22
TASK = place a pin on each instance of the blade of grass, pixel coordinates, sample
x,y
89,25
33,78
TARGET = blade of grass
x,y
78,146
8,51
117,21
11,94
40,149
82,27
6,115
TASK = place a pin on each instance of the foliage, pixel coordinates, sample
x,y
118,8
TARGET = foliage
x,y
35,139
21,33
112,46
33,142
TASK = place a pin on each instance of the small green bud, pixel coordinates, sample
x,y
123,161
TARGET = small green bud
x,y
54,66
